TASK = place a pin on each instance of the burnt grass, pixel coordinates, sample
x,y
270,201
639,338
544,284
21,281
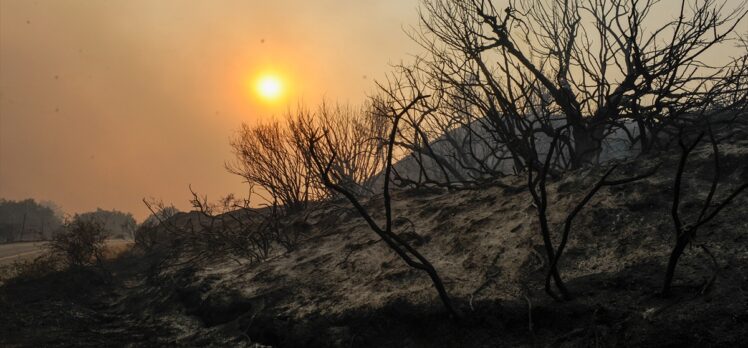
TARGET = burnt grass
x,y
87,308
125,303
72,308
99,308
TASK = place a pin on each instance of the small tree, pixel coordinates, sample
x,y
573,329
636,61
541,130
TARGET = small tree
x,y
684,231
80,242
404,250
537,187
266,156
355,135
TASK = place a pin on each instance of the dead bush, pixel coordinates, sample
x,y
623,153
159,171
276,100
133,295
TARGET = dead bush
x,y
319,139
687,225
266,156
355,136
229,228
79,243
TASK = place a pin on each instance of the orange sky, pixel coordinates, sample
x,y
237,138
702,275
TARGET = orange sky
x,y
103,103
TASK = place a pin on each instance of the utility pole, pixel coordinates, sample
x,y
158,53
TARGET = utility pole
x,y
23,227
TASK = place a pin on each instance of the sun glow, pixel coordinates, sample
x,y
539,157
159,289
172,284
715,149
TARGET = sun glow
x,y
269,87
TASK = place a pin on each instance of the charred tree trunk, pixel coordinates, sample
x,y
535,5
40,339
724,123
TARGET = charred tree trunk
x,y
403,249
684,233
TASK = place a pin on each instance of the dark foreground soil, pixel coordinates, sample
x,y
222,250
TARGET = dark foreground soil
x,y
117,308
74,308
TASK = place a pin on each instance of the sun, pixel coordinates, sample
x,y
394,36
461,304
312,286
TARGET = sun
x,y
269,87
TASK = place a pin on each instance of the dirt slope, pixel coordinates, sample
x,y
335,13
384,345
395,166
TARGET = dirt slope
x,y
344,287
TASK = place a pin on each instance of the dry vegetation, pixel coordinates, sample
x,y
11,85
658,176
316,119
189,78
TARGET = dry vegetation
x,y
531,180
344,285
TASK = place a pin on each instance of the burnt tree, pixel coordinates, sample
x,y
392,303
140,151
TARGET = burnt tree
x,y
404,250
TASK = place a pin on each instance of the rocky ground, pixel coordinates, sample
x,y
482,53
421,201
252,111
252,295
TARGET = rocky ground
x,y
343,287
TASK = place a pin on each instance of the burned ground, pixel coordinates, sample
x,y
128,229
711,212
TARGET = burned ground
x,y
343,287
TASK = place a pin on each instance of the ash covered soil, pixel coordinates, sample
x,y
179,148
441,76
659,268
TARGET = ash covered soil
x,y
342,286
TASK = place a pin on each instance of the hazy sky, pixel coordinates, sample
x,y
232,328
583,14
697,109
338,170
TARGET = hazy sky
x,y
103,103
